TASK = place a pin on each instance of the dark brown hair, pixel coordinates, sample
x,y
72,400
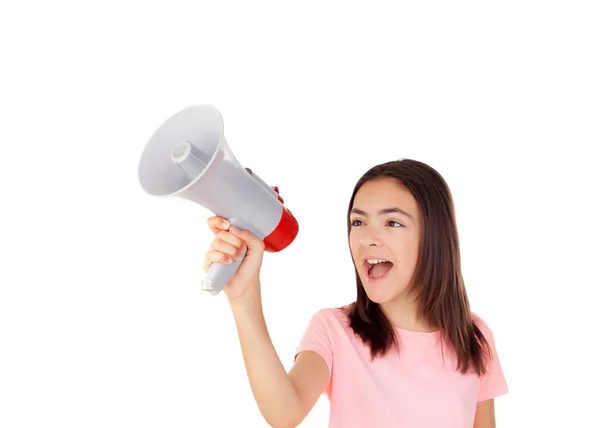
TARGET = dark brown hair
x,y
437,281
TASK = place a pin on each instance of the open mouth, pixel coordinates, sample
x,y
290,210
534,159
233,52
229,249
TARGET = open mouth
x,y
377,268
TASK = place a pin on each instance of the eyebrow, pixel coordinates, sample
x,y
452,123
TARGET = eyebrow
x,y
383,212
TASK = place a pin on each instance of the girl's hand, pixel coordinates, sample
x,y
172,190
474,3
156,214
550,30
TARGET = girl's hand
x,y
228,245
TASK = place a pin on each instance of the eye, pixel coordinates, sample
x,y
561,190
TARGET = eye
x,y
354,222
392,223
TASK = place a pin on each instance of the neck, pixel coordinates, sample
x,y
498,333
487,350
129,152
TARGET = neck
x,y
402,313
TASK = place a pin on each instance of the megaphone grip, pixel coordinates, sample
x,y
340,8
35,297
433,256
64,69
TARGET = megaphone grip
x,y
219,276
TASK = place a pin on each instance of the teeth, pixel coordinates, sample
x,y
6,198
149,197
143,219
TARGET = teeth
x,y
374,262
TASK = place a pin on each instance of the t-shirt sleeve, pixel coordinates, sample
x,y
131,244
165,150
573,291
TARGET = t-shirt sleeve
x,y
493,383
317,338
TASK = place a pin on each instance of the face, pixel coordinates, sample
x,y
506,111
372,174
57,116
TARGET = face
x,y
385,225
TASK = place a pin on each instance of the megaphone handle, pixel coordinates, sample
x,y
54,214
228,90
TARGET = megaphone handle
x,y
219,275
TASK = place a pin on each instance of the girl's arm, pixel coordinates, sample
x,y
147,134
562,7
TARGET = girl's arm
x,y
283,399
485,414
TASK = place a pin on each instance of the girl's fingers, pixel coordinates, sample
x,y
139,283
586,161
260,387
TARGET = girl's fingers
x,y
215,256
226,248
228,238
251,241
217,224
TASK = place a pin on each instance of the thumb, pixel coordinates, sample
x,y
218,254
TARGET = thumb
x,y
251,240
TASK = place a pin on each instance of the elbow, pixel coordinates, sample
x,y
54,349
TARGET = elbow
x,y
290,417
284,422
284,425
290,423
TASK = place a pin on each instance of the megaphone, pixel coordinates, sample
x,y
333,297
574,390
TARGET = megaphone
x,y
188,157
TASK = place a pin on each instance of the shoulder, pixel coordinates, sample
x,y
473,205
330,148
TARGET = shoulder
x,y
483,325
333,316
493,382
488,335
332,321
323,331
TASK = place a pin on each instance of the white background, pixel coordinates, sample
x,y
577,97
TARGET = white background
x,y
102,319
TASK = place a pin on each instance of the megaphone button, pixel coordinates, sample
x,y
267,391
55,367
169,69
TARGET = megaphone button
x,y
276,189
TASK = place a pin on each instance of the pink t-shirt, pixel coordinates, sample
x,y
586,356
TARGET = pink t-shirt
x,y
415,388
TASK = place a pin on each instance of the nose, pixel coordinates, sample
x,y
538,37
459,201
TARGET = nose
x,y
370,238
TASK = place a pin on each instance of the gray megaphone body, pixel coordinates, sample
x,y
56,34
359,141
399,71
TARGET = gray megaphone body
x,y
188,157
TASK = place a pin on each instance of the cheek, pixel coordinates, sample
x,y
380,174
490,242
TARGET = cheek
x,y
405,251
354,241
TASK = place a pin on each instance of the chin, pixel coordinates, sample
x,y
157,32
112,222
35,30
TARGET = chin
x,y
379,297
382,292
379,293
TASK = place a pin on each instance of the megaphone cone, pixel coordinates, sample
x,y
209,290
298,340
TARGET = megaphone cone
x,y
188,157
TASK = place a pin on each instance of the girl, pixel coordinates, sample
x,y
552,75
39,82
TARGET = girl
x,y
408,352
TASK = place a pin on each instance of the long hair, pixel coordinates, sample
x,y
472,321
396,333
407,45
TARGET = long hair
x,y
437,281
